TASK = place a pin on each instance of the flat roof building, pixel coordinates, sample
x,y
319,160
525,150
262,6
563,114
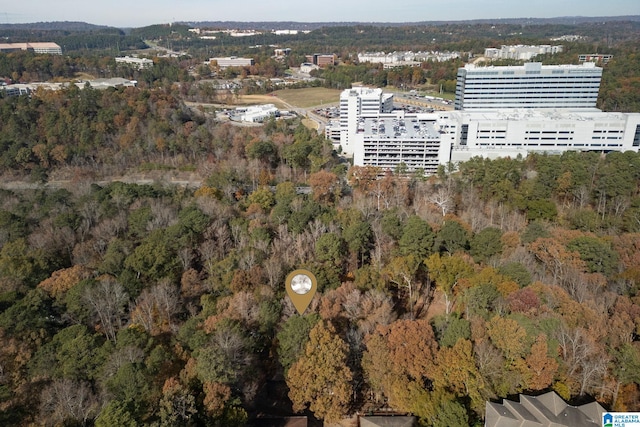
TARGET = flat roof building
x,y
426,140
502,133
139,63
255,114
321,59
232,61
521,52
395,139
376,135
37,47
531,85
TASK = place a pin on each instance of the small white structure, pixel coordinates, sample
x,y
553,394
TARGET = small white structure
x,y
107,83
307,67
255,114
139,63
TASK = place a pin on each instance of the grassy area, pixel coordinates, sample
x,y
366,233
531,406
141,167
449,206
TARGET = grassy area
x,y
310,124
244,100
309,97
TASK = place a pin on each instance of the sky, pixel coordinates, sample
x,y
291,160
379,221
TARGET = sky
x,y
139,13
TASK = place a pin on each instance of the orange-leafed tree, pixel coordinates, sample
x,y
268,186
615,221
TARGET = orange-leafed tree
x,y
325,186
400,357
541,367
321,379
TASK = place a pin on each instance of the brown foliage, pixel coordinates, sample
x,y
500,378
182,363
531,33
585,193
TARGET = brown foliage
x,y
216,396
325,186
320,379
524,301
397,356
62,280
541,367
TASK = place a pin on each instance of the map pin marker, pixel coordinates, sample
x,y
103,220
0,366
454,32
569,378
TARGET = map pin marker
x,y
301,287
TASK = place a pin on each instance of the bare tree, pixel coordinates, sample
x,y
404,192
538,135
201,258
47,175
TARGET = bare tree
x,y
586,363
156,307
66,400
443,199
107,299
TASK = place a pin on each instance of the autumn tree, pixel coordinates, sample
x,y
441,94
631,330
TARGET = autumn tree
x,y
456,371
398,358
177,405
406,273
320,379
325,187
541,367
626,368
446,271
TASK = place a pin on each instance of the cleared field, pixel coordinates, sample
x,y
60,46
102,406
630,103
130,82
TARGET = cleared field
x,y
259,99
309,97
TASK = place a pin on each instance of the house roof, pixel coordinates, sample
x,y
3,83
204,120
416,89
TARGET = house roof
x,y
546,410
387,421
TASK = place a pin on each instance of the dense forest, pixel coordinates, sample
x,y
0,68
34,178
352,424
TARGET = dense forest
x,y
149,304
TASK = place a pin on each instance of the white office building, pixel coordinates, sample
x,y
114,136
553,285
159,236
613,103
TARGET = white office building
x,y
232,61
139,63
255,114
38,47
502,133
423,141
521,52
531,85
356,103
393,139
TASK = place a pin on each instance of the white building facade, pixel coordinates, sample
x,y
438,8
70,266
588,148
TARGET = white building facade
x,y
139,63
232,61
360,102
38,47
531,85
424,141
502,133
396,139
380,137
256,114
521,52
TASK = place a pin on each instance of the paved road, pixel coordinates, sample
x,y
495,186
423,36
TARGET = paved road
x,y
56,184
